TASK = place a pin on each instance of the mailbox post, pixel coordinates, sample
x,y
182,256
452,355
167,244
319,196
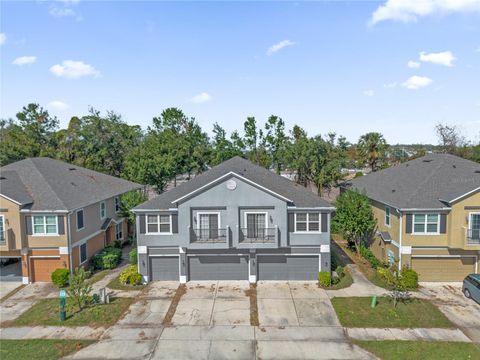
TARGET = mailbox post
x,y
63,312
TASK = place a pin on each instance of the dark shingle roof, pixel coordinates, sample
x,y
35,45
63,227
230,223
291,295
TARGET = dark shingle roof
x,y
12,187
57,185
432,181
300,196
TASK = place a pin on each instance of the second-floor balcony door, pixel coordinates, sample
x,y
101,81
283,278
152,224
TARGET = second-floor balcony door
x,y
256,225
208,226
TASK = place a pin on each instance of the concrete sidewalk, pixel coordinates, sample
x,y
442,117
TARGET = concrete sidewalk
x,y
417,334
51,332
361,286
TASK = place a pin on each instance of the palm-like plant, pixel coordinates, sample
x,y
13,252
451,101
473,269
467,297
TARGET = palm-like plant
x,y
372,149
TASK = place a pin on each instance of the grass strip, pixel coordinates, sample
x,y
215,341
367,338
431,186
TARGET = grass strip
x,y
181,290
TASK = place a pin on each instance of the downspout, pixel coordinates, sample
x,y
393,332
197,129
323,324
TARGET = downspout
x,y
400,241
69,239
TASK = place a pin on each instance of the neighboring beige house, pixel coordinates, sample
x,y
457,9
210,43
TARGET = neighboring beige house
x,y
428,215
57,215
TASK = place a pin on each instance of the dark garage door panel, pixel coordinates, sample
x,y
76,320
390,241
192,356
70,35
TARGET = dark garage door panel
x,y
287,267
218,268
164,268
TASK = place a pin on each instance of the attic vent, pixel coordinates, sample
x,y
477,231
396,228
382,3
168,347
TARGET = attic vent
x,y
393,190
427,160
3,178
454,166
71,169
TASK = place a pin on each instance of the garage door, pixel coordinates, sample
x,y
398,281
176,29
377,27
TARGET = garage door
x,y
443,269
287,267
164,268
42,268
218,268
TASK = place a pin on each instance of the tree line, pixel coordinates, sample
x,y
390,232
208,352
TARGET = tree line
x,y
176,144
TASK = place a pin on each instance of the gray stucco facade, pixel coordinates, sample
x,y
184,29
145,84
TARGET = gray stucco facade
x,y
230,251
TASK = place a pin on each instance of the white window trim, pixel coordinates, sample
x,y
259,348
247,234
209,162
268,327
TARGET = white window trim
x,y
103,217
425,223
76,218
470,217
44,226
209,213
80,253
116,232
115,199
389,216
158,222
307,221
255,212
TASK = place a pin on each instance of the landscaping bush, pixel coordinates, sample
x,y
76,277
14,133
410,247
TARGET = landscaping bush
x,y
130,276
60,277
117,244
335,280
340,271
108,258
366,253
409,278
133,256
333,260
324,278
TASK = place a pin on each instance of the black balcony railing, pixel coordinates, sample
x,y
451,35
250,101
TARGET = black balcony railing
x,y
473,236
258,235
210,236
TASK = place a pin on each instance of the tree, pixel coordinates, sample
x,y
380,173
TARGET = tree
x,y
395,281
276,141
298,155
354,218
255,142
372,149
223,148
79,289
449,137
129,201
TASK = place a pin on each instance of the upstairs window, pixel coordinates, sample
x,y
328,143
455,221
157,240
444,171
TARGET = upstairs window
x,y
117,204
45,225
426,223
387,216
103,210
83,253
119,231
307,222
159,224
80,219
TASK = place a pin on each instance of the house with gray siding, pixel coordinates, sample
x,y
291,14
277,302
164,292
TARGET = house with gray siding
x,y
236,221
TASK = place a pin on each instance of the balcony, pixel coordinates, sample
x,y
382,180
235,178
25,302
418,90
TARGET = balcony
x,y
258,238
473,236
209,238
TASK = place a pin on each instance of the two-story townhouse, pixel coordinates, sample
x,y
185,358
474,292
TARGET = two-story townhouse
x,y
57,215
236,221
428,215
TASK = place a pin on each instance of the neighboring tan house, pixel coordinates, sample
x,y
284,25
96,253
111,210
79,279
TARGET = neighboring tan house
x,y
57,215
236,221
428,215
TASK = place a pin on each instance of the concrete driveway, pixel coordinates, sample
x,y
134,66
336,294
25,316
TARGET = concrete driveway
x,y
463,312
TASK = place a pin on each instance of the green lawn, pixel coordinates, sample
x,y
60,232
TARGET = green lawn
x,y
399,350
45,312
40,349
345,282
116,285
356,312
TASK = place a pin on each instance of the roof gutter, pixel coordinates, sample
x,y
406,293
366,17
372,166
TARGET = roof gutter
x,y
152,210
426,209
44,211
311,208
461,196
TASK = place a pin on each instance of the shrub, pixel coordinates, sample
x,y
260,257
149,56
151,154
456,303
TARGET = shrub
x,y
133,256
108,258
358,174
130,276
340,271
382,272
79,289
366,253
409,279
324,278
60,277
117,244
333,261
335,280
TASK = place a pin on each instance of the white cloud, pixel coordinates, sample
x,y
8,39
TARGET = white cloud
x,y
410,10
413,64
71,69
390,85
369,92
445,58
201,98
24,60
64,8
3,38
58,105
279,46
416,82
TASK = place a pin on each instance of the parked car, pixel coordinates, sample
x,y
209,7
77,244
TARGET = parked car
x,y
471,287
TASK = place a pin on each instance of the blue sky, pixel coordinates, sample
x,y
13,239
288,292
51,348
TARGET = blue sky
x,y
326,66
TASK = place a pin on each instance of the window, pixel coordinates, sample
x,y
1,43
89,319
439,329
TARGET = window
x,y
45,225
426,223
208,224
119,231
103,210
83,253
80,220
2,228
117,204
387,216
307,222
158,224
256,225
474,226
